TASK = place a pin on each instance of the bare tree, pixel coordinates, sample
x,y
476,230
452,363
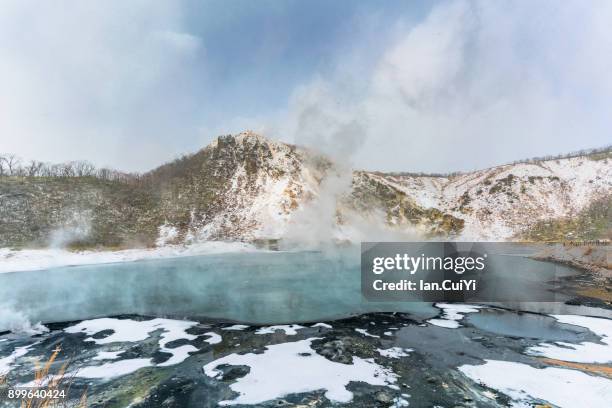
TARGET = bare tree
x,y
11,164
34,168
67,169
45,170
83,168
103,174
53,170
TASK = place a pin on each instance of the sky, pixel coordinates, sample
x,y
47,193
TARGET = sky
x,y
433,86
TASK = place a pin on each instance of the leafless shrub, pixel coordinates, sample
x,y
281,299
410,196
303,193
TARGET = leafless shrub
x,y
11,165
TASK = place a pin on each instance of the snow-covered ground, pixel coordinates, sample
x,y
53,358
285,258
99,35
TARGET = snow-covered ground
x,y
562,387
124,333
113,369
586,352
294,367
559,386
7,362
37,259
128,330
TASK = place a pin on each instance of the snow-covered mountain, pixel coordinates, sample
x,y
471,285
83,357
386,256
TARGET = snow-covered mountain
x,y
270,190
252,188
238,187
505,201
247,187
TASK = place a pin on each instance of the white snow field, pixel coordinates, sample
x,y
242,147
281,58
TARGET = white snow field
x,y
585,352
294,367
129,331
525,384
39,259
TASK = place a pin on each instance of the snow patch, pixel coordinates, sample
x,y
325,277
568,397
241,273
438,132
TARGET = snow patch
x,y
213,338
6,363
558,386
115,369
290,368
167,235
447,324
39,259
128,330
365,333
400,402
452,314
179,354
585,352
238,327
394,352
108,355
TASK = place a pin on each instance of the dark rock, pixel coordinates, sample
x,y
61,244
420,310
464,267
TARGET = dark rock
x,y
231,373
383,397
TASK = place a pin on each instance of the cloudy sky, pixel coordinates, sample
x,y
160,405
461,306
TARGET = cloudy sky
x,y
384,84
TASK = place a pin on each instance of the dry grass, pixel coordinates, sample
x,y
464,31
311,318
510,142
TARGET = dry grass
x,y
598,369
601,293
49,382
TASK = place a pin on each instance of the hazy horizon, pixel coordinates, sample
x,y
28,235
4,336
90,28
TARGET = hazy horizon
x,y
24,162
417,86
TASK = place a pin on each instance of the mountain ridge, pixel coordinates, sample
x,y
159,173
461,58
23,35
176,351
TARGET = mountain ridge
x,y
248,187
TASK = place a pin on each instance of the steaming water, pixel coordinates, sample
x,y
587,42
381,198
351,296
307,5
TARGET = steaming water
x,y
262,287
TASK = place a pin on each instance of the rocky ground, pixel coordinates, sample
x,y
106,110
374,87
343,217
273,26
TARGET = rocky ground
x,y
594,285
468,356
594,258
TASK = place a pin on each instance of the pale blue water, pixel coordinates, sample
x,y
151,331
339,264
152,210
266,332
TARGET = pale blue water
x,y
262,287
528,325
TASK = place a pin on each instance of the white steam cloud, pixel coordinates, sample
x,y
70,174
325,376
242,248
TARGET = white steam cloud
x,y
18,322
473,84
75,227
476,83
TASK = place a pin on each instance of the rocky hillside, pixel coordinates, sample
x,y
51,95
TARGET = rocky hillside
x,y
78,211
247,187
525,200
242,187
